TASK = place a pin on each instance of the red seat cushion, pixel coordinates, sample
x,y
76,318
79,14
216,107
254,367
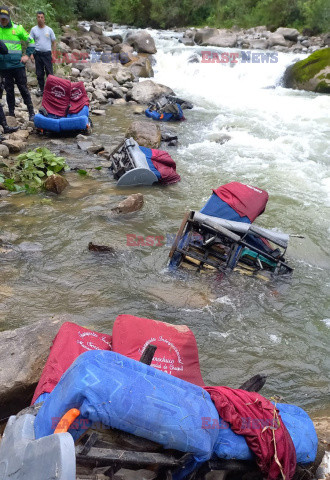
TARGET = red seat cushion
x,y
70,341
176,354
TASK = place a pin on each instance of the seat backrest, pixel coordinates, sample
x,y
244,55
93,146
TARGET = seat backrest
x,y
177,351
78,97
56,97
70,341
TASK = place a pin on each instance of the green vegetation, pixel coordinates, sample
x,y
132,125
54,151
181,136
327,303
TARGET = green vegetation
x,y
312,14
29,170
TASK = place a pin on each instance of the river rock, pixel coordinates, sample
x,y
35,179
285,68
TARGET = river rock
x,y
203,34
20,135
96,29
12,121
188,42
142,67
142,42
288,33
258,44
109,41
15,146
130,204
4,151
146,91
98,112
75,72
146,134
119,101
99,96
95,148
84,145
86,73
123,75
278,39
56,183
311,74
23,353
138,109
223,38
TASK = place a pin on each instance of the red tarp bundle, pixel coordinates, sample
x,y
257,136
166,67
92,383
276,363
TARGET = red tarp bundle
x,y
252,415
78,97
56,97
176,354
70,341
60,95
166,167
244,199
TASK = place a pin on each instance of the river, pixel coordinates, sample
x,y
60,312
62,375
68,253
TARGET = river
x,y
243,326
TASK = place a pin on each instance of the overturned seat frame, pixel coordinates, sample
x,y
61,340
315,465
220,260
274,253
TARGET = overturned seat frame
x,y
129,165
206,242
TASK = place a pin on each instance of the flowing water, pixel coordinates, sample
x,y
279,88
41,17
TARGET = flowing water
x,y
279,141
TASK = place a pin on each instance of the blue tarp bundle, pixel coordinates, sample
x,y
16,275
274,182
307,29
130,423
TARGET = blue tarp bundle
x,y
119,392
122,393
299,425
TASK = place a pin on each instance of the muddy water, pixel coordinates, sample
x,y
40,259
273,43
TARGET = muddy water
x,y
243,326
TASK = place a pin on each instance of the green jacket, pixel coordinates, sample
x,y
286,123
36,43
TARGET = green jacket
x,y
13,35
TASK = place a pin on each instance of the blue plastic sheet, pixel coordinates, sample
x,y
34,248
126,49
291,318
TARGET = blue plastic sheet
x,y
299,425
122,393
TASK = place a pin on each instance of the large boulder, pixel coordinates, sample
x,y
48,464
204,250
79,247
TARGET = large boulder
x,y
291,34
258,44
147,134
23,353
222,38
141,67
142,42
147,91
96,29
203,34
312,73
278,39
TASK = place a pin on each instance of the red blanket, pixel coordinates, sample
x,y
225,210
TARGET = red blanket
x,y
252,415
244,199
56,97
166,167
78,97
70,341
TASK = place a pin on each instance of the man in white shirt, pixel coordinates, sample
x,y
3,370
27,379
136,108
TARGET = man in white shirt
x,y
45,42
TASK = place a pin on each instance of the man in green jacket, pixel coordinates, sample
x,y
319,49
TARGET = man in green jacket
x,y
12,66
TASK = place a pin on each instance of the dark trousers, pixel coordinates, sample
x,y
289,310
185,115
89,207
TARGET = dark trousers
x,y
3,120
44,67
18,76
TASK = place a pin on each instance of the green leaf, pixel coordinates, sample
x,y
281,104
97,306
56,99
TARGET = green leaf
x,y
49,173
82,172
98,168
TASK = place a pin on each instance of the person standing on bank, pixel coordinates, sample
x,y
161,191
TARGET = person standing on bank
x,y
3,121
12,65
45,42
